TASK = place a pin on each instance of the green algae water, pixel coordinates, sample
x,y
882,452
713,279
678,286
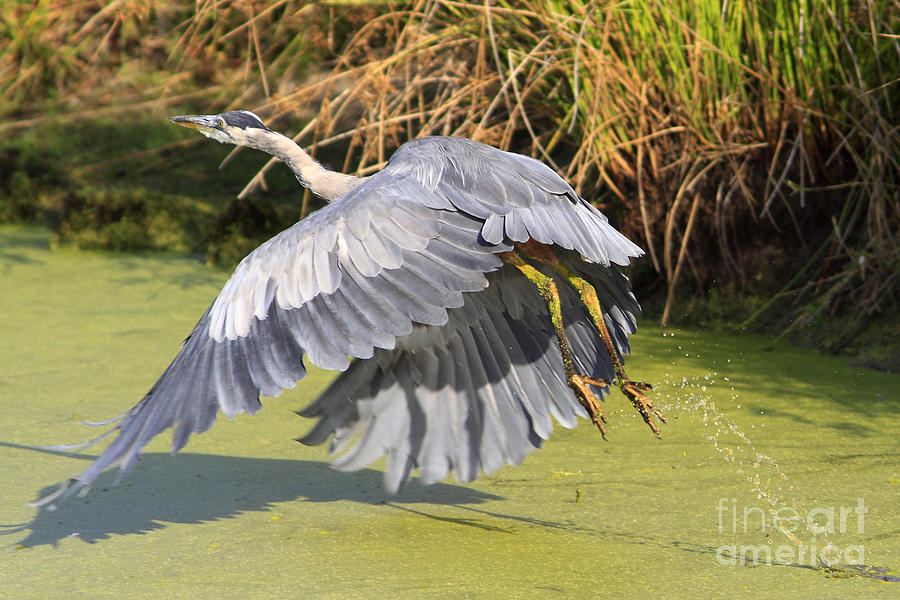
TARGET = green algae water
x,y
771,455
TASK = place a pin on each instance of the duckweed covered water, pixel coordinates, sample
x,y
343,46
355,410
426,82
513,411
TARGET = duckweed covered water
x,y
810,444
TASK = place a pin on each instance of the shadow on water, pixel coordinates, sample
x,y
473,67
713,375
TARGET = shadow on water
x,y
180,270
197,488
16,247
761,366
855,429
24,237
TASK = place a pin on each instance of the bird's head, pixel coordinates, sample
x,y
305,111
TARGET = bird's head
x,y
243,128
238,127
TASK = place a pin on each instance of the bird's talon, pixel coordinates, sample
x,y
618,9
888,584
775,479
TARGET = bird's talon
x,y
588,400
598,420
593,381
633,390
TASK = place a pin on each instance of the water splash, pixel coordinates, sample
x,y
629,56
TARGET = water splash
x,y
766,479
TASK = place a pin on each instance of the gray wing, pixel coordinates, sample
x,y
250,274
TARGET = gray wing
x,y
517,197
478,392
356,276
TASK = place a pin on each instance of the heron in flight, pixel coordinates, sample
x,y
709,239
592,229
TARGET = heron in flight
x,y
466,295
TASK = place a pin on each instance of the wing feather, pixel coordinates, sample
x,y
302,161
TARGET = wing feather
x,y
488,182
321,333
468,397
514,226
357,325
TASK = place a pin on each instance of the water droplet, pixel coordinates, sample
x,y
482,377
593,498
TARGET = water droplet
x,y
764,476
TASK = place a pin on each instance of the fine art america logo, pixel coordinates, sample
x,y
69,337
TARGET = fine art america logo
x,y
817,523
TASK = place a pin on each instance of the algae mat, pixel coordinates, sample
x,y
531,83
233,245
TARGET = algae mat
x,y
244,511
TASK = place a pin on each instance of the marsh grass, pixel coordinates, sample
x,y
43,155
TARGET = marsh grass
x,y
76,61
84,90
744,144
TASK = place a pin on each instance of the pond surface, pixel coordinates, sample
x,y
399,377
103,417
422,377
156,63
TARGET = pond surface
x,y
760,435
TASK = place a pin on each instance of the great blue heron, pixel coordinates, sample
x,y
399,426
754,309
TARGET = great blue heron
x,y
474,289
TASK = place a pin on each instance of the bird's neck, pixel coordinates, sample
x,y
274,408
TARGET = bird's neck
x,y
320,181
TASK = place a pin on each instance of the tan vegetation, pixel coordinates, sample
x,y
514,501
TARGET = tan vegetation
x,y
744,144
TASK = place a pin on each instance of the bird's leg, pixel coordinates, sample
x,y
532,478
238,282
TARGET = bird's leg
x,y
633,390
579,383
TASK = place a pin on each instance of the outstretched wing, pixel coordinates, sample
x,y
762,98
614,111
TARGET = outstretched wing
x,y
516,197
478,392
356,276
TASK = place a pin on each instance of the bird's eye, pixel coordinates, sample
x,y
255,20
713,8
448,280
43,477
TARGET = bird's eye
x,y
221,123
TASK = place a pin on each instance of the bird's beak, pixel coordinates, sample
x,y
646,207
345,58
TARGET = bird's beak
x,y
204,123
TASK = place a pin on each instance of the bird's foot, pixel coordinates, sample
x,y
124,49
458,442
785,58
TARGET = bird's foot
x,y
588,399
634,390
